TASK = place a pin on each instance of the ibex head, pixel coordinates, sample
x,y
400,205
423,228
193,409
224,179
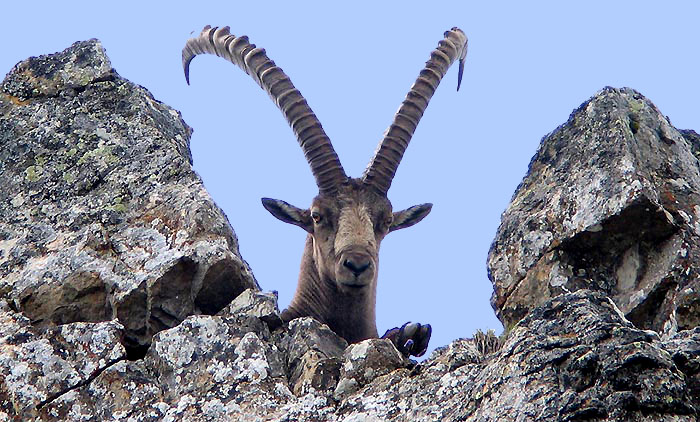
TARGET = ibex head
x,y
350,216
347,229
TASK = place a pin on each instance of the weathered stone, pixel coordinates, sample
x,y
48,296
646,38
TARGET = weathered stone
x,y
257,304
365,361
46,76
206,353
314,356
123,391
218,361
610,203
684,348
573,358
80,269
101,214
39,368
460,352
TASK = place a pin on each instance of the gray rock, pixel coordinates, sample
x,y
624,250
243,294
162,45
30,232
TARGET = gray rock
x,y
101,215
108,239
314,355
257,304
684,348
207,368
573,358
39,368
365,361
610,203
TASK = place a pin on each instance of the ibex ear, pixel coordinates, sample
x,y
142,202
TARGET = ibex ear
x,y
289,213
410,216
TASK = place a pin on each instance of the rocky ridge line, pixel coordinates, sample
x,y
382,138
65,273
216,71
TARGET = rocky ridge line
x,y
123,296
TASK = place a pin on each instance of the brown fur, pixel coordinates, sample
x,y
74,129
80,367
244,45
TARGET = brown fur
x,y
350,226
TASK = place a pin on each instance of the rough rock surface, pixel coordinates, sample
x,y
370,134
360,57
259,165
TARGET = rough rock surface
x,y
611,203
101,215
84,278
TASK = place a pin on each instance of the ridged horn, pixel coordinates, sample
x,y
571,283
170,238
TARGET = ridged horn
x,y
382,167
313,140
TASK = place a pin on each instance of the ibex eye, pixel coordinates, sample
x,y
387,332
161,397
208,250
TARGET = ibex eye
x,y
316,217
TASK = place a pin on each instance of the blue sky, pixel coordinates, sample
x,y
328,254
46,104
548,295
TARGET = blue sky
x,y
529,65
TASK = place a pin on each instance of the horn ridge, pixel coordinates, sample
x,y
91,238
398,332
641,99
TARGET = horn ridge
x,y
325,164
382,167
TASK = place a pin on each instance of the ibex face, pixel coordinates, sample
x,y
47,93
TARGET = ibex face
x,y
349,218
347,229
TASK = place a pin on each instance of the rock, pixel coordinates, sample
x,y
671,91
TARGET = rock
x,y
213,361
365,361
610,203
123,296
460,352
314,356
101,214
257,304
40,368
207,368
684,348
575,357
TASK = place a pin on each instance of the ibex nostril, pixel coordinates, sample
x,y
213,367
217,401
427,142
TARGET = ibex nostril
x,y
357,267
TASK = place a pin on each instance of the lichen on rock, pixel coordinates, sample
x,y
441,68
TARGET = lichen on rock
x,y
609,204
123,295
102,214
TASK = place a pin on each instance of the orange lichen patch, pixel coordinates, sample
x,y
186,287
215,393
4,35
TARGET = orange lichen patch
x,y
16,100
669,196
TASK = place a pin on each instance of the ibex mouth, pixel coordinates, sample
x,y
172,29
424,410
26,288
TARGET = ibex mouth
x,y
354,286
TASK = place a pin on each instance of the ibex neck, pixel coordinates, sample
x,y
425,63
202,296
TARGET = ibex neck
x,y
350,316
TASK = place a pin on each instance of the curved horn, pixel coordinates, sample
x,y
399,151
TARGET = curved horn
x,y
382,167
316,145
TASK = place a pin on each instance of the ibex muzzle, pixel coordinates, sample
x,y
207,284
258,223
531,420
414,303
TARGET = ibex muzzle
x,y
350,216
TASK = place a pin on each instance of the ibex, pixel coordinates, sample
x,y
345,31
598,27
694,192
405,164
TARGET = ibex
x,y
350,216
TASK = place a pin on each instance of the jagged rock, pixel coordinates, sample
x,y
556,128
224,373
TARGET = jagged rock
x,y
684,348
366,361
40,368
314,356
610,203
257,304
460,352
101,215
206,368
573,358
81,271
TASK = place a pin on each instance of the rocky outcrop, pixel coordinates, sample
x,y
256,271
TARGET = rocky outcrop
x,y
123,296
101,215
611,203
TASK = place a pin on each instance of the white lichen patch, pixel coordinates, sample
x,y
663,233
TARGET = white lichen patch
x,y
533,243
557,276
251,363
358,351
221,372
17,200
174,349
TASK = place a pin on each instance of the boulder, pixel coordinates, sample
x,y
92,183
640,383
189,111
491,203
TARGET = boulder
x,y
575,357
101,214
611,203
